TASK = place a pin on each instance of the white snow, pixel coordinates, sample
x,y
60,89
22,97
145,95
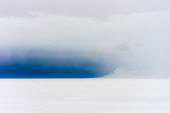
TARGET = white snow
x,y
84,96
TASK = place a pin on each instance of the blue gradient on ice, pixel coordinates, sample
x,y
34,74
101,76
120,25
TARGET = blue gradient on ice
x,y
46,67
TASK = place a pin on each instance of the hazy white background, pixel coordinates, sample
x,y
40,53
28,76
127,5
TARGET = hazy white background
x,y
134,31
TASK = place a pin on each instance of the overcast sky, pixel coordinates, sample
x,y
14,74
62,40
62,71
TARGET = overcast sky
x,y
82,8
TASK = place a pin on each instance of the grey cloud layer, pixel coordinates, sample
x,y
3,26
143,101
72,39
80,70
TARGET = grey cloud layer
x,y
140,41
82,8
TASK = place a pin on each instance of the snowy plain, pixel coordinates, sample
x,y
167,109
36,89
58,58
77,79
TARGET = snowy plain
x,y
84,95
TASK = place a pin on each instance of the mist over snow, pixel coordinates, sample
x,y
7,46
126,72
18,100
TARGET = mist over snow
x,y
138,42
